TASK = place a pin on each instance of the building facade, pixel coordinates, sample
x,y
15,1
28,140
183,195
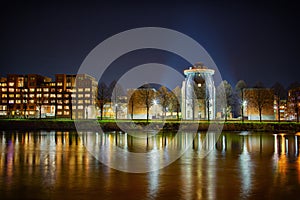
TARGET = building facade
x,y
293,104
36,96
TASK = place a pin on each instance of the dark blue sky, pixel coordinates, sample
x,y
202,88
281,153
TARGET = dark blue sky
x,y
253,41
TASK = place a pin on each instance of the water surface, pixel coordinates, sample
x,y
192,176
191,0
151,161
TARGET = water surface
x,y
56,165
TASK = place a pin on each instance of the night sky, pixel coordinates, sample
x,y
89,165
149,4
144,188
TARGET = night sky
x,y
253,41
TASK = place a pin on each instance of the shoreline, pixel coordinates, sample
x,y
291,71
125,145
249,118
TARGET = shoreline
x,y
111,125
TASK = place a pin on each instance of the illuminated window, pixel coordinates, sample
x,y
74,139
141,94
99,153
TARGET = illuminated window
x,y
80,107
87,101
59,107
52,95
59,113
45,101
66,95
4,95
87,95
59,84
4,89
66,101
66,112
18,95
46,89
38,89
87,89
18,101
31,112
66,107
4,101
11,89
46,95
11,101
59,95
31,90
31,95
31,101
80,95
74,107
11,84
11,95
38,95
80,101
80,89
73,95
52,84
25,101
20,82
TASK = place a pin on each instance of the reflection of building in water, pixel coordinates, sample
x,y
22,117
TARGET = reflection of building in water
x,y
198,93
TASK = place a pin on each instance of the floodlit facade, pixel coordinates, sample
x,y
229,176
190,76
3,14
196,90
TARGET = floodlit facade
x,y
36,96
293,104
259,97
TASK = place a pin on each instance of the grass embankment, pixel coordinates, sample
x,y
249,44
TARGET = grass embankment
x,y
169,125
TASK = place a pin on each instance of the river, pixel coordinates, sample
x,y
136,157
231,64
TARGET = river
x,y
241,165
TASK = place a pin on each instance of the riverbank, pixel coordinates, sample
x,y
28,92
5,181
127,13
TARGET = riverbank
x,y
110,125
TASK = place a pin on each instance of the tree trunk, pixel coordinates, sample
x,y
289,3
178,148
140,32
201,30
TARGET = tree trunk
x,y
226,114
132,111
147,113
40,112
260,115
101,113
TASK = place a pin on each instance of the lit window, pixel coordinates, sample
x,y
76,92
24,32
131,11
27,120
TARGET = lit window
x,y
80,95
45,101
4,95
39,89
73,107
80,101
59,84
87,95
80,89
20,82
4,101
73,95
52,95
31,101
25,101
66,95
18,101
11,101
18,95
31,90
4,89
67,107
87,101
31,95
31,112
66,112
11,84
38,95
59,113
59,95
46,89
11,95
87,89
59,107
17,90
80,107
52,84
66,101
46,95
11,89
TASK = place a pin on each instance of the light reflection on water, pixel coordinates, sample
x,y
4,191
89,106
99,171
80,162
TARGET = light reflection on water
x,y
52,165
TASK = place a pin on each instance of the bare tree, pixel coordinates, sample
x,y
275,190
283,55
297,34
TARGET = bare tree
x,y
103,97
116,92
259,98
280,94
163,96
132,99
225,90
175,100
147,95
239,98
